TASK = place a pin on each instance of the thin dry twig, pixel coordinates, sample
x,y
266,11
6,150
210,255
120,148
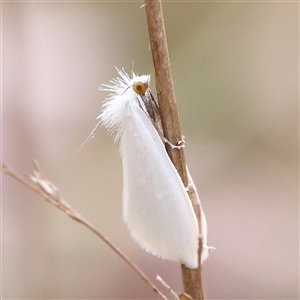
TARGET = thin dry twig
x,y
185,296
40,184
167,287
192,278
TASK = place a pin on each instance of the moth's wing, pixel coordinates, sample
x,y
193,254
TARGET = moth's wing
x,y
156,206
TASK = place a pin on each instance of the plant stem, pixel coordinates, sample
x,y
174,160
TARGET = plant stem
x,y
192,278
41,185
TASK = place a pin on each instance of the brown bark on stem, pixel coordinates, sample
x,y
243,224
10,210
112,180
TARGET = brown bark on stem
x,y
192,278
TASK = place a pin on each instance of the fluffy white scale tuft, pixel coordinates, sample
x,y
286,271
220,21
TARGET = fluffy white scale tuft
x,y
121,93
156,206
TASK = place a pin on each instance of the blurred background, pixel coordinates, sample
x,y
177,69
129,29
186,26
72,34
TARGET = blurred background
x,y
236,74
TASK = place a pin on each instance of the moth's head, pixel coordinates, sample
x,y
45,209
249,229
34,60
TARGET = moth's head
x,y
141,84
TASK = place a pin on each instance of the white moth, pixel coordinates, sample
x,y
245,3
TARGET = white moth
x,y
156,206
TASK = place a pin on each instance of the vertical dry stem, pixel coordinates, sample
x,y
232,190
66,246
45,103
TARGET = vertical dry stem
x,y
192,279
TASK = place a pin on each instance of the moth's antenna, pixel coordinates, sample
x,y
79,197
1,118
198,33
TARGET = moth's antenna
x,y
91,135
132,65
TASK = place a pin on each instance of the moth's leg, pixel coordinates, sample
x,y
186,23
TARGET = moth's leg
x,y
189,187
180,144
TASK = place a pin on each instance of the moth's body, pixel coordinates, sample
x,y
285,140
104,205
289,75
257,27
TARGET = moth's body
x,y
156,206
